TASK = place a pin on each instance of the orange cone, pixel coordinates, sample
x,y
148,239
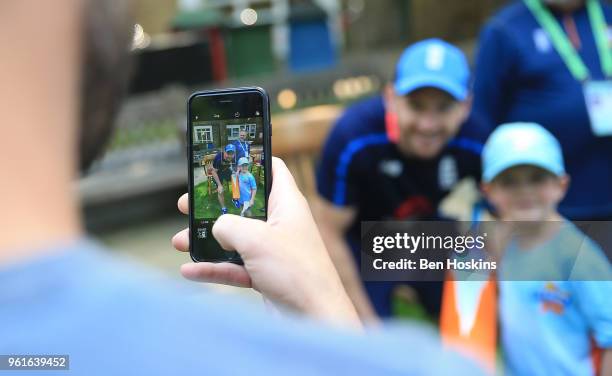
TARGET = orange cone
x,y
468,319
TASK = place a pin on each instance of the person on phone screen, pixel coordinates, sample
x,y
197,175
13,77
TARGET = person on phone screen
x,y
221,170
242,145
248,187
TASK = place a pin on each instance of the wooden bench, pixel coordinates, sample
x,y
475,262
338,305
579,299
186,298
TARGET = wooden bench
x,y
297,138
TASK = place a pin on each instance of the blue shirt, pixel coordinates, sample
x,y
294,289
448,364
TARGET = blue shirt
x,y
243,149
247,184
520,77
547,326
113,317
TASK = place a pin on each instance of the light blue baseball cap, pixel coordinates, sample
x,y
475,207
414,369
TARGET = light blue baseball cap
x,y
433,63
516,144
242,161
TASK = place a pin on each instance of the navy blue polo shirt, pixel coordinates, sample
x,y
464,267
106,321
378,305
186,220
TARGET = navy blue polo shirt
x,y
361,168
521,77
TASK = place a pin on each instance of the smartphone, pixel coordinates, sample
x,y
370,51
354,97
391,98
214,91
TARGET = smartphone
x,y
229,159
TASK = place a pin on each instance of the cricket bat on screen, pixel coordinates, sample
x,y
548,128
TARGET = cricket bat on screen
x,y
235,187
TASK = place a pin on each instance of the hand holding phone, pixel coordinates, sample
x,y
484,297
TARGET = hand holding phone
x,y
284,259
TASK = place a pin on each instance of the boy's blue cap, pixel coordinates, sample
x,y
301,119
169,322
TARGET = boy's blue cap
x,y
242,161
433,63
229,148
516,144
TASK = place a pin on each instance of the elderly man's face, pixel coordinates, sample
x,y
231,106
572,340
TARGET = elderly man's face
x,y
242,135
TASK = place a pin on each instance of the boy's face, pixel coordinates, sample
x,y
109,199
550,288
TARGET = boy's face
x,y
427,119
244,167
526,193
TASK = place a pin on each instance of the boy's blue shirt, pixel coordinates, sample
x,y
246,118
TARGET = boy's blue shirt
x,y
548,327
247,184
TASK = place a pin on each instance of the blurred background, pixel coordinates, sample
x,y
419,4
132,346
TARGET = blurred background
x,y
314,57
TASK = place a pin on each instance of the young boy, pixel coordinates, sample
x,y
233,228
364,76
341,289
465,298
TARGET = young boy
x,y
248,187
554,290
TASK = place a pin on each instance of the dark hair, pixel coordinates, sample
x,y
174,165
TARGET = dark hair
x,y
106,69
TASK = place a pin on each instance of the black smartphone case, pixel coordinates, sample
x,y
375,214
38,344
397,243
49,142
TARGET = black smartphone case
x,y
267,150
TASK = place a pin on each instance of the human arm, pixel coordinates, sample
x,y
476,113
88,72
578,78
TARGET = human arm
x,y
215,176
213,168
253,190
333,222
284,258
253,193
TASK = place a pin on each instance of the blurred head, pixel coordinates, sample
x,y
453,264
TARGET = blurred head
x,y
523,172
242,135
105,72
98,48
230,151
428,99
243,163
64,70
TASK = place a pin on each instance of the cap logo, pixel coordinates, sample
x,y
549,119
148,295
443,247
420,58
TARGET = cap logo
x,y
522,144
434,57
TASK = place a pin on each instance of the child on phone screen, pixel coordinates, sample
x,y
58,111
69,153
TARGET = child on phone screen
x,y
554,282
248,187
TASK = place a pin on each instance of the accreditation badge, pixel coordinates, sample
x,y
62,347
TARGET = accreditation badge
x,y
598,97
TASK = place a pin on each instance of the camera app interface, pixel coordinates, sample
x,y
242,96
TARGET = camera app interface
x,y
228,164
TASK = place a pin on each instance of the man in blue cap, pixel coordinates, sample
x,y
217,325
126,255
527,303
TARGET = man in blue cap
x,y
222,168
396,156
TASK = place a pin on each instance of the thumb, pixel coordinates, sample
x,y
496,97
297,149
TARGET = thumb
x,y
283,184
244,235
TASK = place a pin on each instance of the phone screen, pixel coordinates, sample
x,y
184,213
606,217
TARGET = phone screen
x,y
228,155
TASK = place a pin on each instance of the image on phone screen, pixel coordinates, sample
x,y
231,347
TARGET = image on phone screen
x,y
228,165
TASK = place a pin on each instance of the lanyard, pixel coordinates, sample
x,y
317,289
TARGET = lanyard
x,y
564,47
243,147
